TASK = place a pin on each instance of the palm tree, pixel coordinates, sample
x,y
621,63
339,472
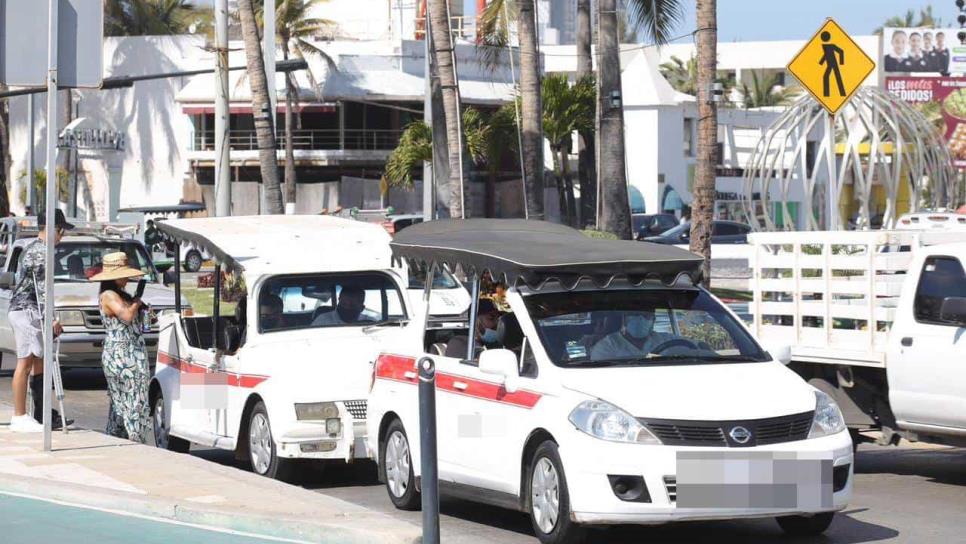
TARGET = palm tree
x,y
5,159
294,28
566,109
908,20
767,92
586,162
443,59
682,75
154,17
264,124
656,20
493,34
702,206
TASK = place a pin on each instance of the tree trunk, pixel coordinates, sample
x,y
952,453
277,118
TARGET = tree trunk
x,y
5,183
531,110
568,208
289,144
264,124
586,164
443,56
615,210
702,205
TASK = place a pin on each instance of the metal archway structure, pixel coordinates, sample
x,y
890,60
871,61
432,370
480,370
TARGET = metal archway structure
x,y
875,139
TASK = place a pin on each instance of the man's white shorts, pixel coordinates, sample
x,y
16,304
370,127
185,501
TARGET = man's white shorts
x,y
27,333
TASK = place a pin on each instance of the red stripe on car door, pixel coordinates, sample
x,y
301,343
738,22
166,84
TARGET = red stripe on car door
x,y
233,379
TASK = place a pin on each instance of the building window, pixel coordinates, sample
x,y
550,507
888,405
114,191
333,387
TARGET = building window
x,y
688,137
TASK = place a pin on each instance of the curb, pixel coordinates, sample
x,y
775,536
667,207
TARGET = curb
x,y
206,517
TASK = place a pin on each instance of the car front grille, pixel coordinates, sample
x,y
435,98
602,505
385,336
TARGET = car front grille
x,y
93,320
357,408
671,486
766,431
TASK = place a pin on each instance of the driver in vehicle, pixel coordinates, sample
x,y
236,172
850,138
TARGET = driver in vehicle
x,y
270,312
352,300
636,338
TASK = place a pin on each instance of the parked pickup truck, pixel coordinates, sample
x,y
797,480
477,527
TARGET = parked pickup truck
x,y
78,256
876,319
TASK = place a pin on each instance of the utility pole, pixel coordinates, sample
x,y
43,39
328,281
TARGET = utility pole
x,y
222,147
31,189
49,206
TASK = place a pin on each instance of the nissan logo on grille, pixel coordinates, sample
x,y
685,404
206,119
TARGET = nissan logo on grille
x,y
740,435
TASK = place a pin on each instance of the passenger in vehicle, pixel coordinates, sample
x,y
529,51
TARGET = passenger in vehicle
x,y
75,267
352,300
486,335
636,338
270,312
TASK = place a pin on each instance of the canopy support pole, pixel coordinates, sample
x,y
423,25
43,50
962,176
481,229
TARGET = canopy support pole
x,y
216,307
177,278
474,306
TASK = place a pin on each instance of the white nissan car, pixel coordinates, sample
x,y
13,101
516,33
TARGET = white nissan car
x,y
616,392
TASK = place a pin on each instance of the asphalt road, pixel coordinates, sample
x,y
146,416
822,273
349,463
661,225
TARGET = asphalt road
x,y
904,494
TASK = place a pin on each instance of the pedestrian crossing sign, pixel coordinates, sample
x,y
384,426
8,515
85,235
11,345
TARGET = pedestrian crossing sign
x,y
831,66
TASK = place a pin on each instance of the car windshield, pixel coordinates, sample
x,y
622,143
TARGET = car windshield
x,y
442,279
79,261
628,327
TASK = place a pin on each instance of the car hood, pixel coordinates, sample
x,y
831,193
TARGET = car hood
x,y
698,391
84,294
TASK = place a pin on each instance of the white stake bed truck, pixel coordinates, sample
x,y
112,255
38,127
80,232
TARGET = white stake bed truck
x,y
876,319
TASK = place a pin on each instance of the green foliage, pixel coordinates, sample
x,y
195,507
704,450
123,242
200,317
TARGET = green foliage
x,y
566,108
415,147
40,186
655,19
155,17
683,76
599,234
908,20
766,92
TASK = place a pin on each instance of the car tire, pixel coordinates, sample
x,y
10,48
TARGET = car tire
x,y
192,261
396,465
548,500
805,525
262,454
161,426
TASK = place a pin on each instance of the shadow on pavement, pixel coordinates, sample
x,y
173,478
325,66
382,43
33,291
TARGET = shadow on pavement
x,y
945,465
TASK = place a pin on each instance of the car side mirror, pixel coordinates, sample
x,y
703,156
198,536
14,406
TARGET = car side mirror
x,y
781,352
501,362
953,310
7,280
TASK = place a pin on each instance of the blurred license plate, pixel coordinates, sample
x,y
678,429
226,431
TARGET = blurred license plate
x,y
754,480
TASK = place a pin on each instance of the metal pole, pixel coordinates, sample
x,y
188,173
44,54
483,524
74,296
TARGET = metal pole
x,y
216,306
474,308
31,189
428,199
50,205
177,277
427,447
222,147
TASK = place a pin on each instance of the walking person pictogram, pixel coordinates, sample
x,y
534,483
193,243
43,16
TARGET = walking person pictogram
x,y
832,58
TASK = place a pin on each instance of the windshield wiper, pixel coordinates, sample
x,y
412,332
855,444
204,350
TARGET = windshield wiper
x,y
704,358
387,323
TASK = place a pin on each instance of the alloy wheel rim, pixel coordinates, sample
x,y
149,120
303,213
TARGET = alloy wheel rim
x,y
160,432
397,464
260,443
545,495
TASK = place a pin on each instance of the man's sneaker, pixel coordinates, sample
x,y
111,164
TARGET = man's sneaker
x,y
25,424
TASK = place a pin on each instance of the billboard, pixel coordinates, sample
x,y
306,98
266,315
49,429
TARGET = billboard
x,y
950,95
934,50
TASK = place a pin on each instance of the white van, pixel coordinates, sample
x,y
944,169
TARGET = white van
x,y
616,392
287,377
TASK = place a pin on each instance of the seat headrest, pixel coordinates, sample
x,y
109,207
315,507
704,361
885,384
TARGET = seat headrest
x,y
508,332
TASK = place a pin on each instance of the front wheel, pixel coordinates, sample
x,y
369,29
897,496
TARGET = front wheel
x,y
549,499
805,525
261,446
161,424
397,468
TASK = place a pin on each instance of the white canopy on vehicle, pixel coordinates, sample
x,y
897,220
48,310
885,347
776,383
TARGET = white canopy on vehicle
x,y
277,244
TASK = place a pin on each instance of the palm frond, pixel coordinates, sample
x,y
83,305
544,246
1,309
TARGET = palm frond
x,y
415,147
493,32
657,19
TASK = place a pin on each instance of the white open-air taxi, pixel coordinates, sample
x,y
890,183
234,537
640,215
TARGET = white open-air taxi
x,y
286,374
615,391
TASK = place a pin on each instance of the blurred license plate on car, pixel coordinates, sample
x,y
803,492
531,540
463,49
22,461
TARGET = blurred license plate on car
x,y
754,480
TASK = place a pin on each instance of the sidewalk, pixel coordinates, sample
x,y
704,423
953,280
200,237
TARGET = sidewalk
x,y
90,469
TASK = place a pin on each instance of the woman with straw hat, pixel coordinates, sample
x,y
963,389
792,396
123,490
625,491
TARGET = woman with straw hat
x,y
125,357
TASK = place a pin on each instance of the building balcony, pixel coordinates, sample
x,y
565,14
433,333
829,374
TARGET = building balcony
x,y
384,140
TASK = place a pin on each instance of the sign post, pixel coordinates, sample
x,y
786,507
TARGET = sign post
x,y
831,67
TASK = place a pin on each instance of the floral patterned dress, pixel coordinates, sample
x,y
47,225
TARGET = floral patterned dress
x,y
126,369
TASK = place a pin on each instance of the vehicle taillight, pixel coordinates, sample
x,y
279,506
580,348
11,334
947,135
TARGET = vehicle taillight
x,y
938,218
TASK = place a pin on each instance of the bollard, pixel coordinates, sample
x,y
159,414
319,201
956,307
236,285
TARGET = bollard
x,y
427,446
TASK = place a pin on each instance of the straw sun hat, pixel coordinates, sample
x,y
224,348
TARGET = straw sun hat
x,y
115,268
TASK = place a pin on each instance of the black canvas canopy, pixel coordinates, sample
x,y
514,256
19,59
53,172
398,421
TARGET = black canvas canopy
x,y
534,252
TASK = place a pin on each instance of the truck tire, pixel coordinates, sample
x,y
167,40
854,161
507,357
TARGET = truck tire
x,y
805,525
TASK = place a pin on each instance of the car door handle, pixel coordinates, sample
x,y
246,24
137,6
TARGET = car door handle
x,y
907,341
409,374
460,385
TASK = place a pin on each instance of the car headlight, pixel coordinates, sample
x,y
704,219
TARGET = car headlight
x,y
316,411
828,418
71,318
608,422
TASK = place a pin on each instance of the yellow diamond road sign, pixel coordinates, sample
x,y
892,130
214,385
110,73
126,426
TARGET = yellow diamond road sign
x,y
831,66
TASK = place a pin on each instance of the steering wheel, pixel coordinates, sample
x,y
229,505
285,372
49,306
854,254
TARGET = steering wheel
x,y
674,342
